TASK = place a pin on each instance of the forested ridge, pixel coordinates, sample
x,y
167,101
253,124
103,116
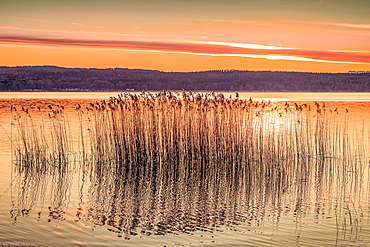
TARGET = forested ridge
x,y
50,78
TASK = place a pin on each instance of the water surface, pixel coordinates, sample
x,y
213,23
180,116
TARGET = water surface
x,y
320,203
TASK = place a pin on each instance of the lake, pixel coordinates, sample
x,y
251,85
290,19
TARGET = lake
x,y
279,169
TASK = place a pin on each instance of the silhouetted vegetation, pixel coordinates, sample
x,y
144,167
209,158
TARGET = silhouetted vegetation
x,y
49,78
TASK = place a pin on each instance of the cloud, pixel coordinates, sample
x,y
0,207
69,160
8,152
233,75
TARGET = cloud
x,y
233,21
66,33
84,25
266,23
198,48
338,24
27,19
248,46
76,24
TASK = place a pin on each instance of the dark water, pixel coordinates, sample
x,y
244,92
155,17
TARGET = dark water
x,y
314,202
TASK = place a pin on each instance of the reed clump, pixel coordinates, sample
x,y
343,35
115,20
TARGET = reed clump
x,y
208,133
182,161
42,141
169,162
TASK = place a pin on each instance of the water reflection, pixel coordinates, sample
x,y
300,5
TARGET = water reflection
x,y
34,188
160,203
149,202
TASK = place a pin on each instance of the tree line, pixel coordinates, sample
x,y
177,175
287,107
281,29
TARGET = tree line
x,y
50,78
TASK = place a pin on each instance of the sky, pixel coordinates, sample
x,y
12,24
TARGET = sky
x,y
192,35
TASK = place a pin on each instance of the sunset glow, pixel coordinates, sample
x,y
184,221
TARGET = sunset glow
x,y
318,36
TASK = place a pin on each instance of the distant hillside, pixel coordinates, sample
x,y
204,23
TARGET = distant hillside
x,y
50,78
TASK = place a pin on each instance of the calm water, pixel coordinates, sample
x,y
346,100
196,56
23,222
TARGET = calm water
x,y
83,205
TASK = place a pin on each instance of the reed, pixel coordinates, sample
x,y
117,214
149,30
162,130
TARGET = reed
x,y
41,142
203,132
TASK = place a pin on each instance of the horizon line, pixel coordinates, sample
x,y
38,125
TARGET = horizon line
x,y
194,71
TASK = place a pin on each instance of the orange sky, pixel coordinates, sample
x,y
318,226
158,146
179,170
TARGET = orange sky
x,y
308,35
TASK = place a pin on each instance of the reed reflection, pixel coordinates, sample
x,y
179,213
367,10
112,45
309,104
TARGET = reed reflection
x,y
33,189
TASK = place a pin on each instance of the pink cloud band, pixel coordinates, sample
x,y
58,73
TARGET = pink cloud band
x,y
200,48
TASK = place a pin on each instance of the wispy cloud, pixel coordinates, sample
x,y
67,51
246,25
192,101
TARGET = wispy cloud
x,y
247,46
76,24
65,33
339,24
84,25
28,19
199,48
267,22
234,21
